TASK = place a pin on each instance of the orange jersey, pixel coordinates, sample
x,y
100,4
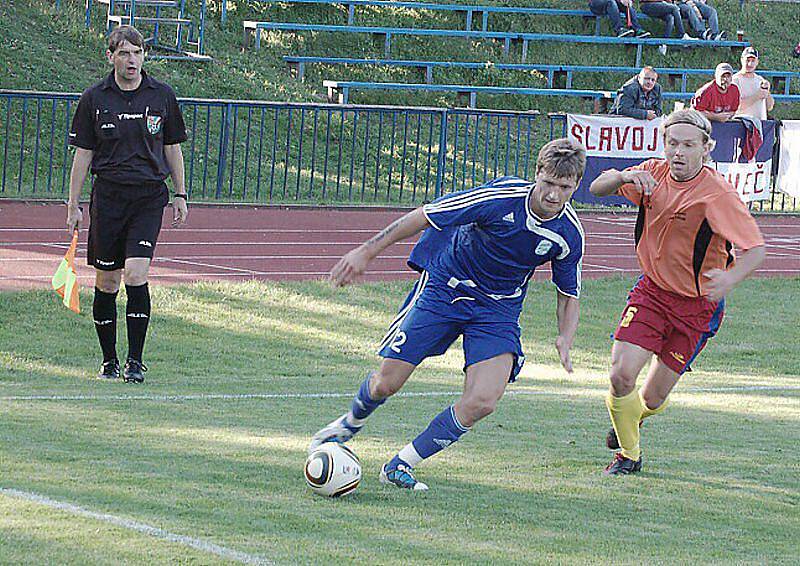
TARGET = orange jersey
x,y
686,228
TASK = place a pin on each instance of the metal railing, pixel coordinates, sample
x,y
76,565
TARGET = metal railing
x,y
271,152
283,153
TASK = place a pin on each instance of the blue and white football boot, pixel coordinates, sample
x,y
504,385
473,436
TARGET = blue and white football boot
x,y
401,475
336,431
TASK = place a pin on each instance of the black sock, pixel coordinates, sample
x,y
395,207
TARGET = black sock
x,y
104,311
138,315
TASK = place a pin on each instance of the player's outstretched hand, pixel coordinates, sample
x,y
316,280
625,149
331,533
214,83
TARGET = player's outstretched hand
x,y
563,353
720,282
180,212
353,264
642,180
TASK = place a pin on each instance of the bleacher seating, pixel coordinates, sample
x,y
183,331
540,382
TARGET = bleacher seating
x,y
339,92
254,28
554,73
152,15
470,11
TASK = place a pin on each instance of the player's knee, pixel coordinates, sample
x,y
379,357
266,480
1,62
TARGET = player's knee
x,y
107,281
622,381
135,277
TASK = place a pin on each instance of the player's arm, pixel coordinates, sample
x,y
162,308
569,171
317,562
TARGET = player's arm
x,y
609,182
354,263
174,156
721,282
567,312
77,177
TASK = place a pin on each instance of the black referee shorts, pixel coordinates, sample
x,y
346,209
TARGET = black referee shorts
x,y
125,222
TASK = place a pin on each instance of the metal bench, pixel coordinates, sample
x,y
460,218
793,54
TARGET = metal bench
x,y
339,92
554,73
470,11
254,27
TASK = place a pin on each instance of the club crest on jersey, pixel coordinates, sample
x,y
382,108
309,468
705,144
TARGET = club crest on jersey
x,y
544,247
153,124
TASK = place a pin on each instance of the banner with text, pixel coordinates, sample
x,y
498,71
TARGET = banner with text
x,y
616,142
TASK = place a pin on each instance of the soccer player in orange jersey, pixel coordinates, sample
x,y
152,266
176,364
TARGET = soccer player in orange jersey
x,y
689,218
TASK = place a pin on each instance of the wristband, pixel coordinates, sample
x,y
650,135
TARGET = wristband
x,y
180,195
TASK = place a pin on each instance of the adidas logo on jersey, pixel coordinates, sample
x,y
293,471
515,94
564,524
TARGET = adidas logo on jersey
x,y
509,217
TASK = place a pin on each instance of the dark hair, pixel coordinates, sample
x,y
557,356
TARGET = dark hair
x,y
562,158
121,34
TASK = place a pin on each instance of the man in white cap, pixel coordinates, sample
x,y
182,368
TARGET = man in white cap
x,y
718,100
756,99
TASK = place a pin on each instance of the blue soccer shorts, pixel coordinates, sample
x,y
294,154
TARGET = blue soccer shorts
x,y
434,315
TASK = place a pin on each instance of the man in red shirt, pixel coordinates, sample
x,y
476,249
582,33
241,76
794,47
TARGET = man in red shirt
x,y
718,100
690,217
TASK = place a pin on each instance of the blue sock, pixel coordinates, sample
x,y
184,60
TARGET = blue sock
x,y
442,431
363,405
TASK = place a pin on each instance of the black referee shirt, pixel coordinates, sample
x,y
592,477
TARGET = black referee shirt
x,y
127,130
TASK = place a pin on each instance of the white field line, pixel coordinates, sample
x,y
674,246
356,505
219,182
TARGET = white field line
x,y
324,395
203,546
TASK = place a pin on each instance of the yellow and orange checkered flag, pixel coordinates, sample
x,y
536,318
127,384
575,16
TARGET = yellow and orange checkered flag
x,y
65,280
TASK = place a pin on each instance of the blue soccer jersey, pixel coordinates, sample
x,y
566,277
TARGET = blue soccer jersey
x,y
487,243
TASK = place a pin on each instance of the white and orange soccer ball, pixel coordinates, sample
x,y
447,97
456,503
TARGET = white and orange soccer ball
x,y
332,470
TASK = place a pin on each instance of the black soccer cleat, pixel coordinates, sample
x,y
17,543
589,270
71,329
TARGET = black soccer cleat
x,y
622,466
134,371
611,438
109,370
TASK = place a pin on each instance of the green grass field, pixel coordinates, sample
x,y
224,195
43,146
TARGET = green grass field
x,y
190,453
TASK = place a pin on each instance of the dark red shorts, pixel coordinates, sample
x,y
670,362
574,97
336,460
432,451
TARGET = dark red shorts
x,y
674,327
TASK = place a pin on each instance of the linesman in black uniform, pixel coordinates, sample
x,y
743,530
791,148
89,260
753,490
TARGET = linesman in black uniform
x,y
128,128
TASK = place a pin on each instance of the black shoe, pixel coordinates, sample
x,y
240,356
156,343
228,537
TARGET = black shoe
x,y
611,438
642,33
721,36
624,32
134,371
109,370
622,466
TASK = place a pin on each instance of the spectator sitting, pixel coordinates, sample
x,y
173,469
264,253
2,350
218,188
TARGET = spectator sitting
x,y
700,13
755,98
614,9
670,13
640,96
718,100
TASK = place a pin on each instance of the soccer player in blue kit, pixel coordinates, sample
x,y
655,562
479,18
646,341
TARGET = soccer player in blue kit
x,y
478,252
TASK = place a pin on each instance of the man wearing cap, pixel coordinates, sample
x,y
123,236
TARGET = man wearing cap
x,y
755,98
718,100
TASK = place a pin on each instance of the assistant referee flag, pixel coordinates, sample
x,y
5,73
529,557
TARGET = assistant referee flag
x,y
65,280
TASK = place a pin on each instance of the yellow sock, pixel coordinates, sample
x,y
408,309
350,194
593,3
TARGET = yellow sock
x,y
625,413
647,411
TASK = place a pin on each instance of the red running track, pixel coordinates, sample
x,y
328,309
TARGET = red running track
x,y
239,243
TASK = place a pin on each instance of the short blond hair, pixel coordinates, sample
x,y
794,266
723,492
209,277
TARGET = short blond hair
x,y
562,158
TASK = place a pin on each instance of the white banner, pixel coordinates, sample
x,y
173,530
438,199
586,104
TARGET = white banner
x,y
788,180
750,179
616,136
619,142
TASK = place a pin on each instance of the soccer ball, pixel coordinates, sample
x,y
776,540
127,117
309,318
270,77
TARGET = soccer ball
x,y
332,470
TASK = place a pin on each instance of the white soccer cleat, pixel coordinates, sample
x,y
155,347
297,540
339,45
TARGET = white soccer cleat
x,y
336,431
401,476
